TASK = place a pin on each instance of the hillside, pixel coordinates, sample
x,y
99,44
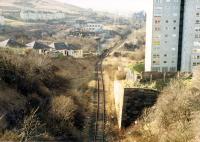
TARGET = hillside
x,y
43,98
51,5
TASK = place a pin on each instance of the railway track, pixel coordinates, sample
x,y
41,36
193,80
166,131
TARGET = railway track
x,y
99,134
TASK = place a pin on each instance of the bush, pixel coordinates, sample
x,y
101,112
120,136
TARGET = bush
x,y
120,75
63,107
174,116
30,72
139,67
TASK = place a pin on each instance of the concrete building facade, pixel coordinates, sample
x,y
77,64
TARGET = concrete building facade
x,y
191,36
162,35
173,36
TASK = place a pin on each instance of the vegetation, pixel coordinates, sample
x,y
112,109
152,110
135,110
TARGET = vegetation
x,y
54,86
138,67
174,118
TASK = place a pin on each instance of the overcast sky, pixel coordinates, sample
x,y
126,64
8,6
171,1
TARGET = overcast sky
x,y
120,6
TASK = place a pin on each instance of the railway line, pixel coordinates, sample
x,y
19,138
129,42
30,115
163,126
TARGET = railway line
x,y
100,120
99,134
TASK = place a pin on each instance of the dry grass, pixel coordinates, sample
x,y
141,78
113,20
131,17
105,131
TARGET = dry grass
x,y
120,75
63,107
174,117
87,44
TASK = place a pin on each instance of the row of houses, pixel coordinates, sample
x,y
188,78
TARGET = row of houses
x,y
41,15
53,49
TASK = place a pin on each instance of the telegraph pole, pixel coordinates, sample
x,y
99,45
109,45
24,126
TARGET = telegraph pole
x,y
98,42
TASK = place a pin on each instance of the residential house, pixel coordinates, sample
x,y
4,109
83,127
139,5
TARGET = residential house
x,y
60,47
75,52
66,49
39,47
10,43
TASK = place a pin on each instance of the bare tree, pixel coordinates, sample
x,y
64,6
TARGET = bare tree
x,y
31,127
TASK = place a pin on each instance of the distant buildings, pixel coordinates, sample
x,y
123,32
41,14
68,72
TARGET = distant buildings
x,y
39,47
10,43
53,49
29,15
66,49
93,27
86,26
2,21
173,35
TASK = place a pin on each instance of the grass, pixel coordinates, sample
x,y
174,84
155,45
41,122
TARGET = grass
x,y
174,117
138,67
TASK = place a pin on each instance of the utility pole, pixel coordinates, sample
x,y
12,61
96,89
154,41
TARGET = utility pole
x,y
98,42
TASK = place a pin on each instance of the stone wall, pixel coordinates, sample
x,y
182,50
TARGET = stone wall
x,y
130,102
135,101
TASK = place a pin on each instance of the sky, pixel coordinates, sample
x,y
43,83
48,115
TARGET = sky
x,y
117,6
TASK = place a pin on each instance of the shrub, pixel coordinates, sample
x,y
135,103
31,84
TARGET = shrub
x,y
63,107
31,127
29,72
174,116
120,75
139,67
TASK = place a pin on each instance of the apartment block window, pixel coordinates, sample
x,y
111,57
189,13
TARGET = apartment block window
x,y
174,35
172,69
156,62
197,21
165,55
157,29
157,21
197,35
165,69
156,56
165,62
195,57
157,69
166,21
197,29
194,64
174,28
174,21
166,35
197,14
158,1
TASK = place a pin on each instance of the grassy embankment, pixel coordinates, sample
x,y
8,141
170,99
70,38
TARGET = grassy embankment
x,y
43,98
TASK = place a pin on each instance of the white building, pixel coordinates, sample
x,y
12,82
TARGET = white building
x,y
41,15
162,39
93,27
66,50
191,36
39,47
2,20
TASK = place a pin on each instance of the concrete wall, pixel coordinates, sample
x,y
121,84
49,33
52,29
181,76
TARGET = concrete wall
x,y
130,103
119,100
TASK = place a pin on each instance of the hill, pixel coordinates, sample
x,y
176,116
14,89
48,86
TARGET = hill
x,y
50,5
